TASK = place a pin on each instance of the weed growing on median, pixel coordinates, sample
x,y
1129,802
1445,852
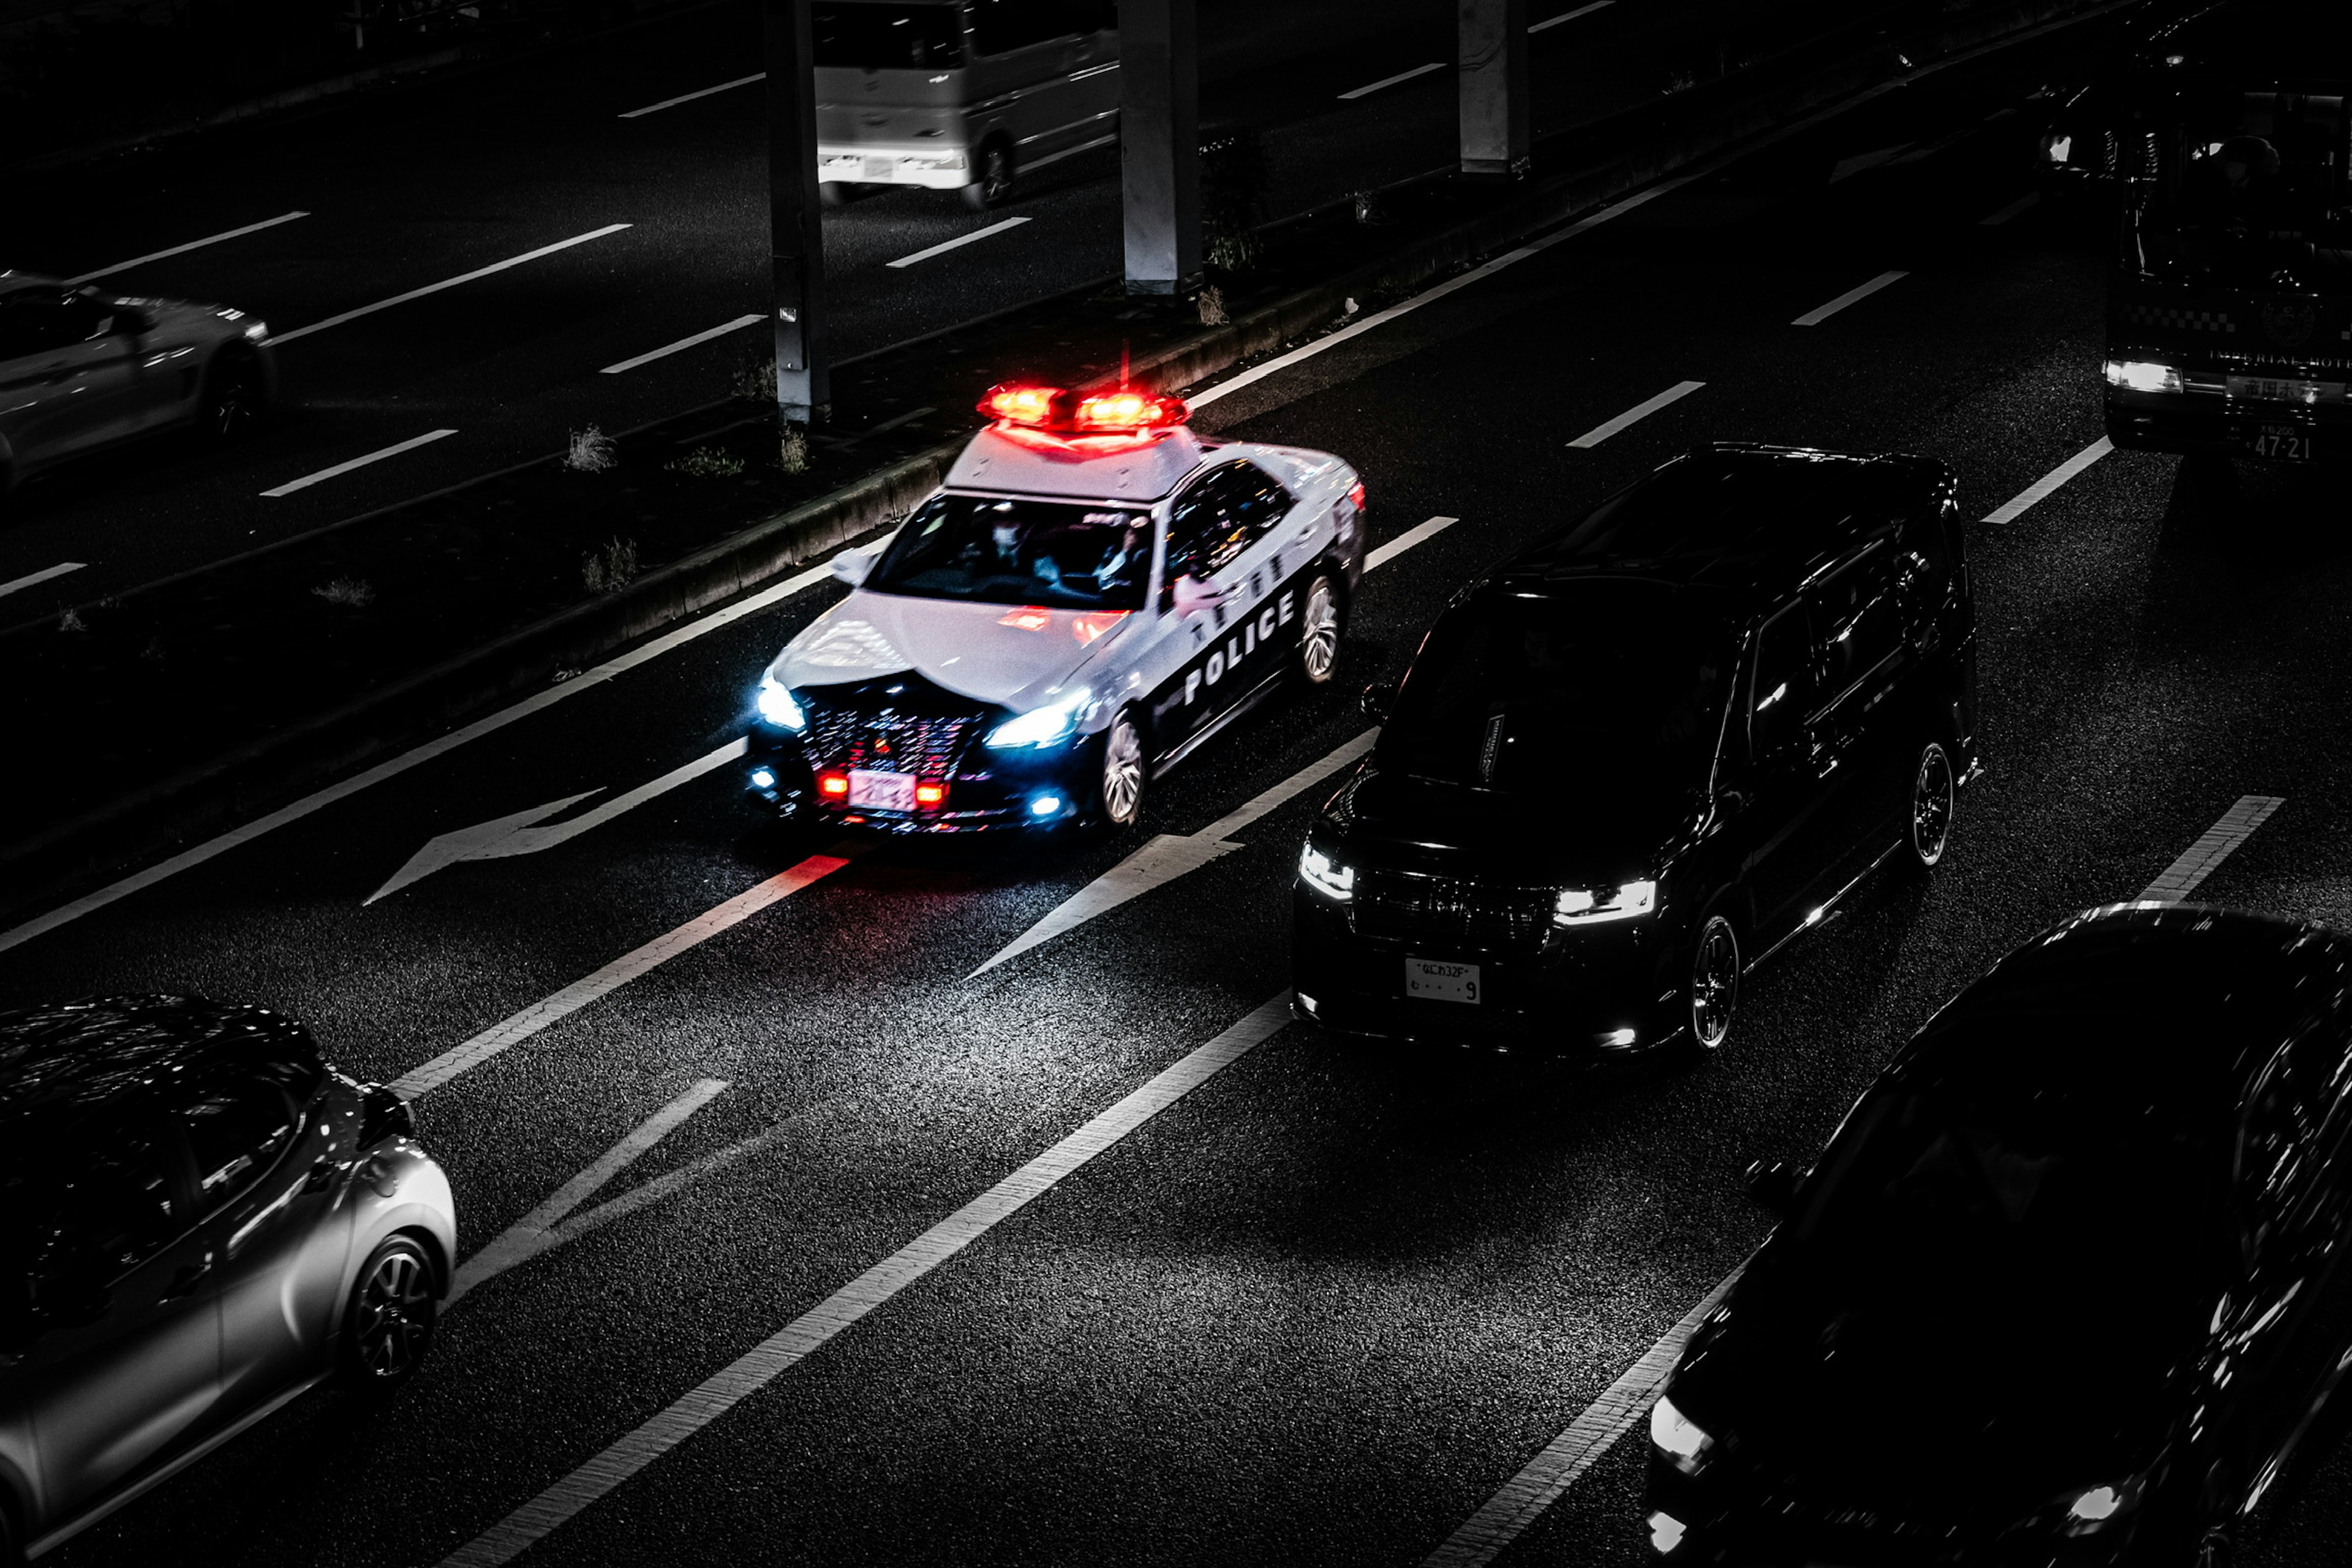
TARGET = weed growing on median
x,y
592,452
756,377
792,451
610,568
707,463
71,620
1211,304
354,593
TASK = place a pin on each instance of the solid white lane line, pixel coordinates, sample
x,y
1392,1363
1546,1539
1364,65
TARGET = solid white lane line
x,y
1635,415
809,1332
1816,317
737,325
963,239
191,245
1570,15
2199,860
1369,87
1419,533
448,283
318,800
395,450
690,97
1618,1410
43,575
514,1244
503,1036
2041,488
1995,220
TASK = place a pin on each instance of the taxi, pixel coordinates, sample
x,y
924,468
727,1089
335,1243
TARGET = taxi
x,y
1094,592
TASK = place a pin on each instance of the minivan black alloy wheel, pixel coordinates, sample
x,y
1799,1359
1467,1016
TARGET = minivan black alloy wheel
x,y
1713,982
1933,788
391,1318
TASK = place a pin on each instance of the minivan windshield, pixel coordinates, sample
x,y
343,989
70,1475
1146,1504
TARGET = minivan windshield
x,y
885,35
1006,551
1609,689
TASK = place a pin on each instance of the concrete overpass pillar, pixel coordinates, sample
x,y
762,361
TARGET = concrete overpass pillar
x,y
1159,143
796,236
1494,87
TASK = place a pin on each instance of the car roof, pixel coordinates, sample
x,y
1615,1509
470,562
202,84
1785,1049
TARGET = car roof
x,y
57,1063
2251,42
1117,469
2167,1011
1733,515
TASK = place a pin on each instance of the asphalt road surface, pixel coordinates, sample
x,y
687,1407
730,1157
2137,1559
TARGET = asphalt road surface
x,y
626,234
1323,1306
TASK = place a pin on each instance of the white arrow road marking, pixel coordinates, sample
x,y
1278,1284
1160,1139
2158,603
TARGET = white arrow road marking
x,y
535,1232
500,1037
516,835
808,1333
1621,1406
1170,856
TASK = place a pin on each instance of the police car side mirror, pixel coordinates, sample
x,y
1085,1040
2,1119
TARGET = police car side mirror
x,y
1377,699
851,567
1192,596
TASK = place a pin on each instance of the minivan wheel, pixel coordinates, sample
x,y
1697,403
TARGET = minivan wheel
x,y
1120,794
1713,982
388,1323
1319,633
994,185
2215,1549
233,405
1928,822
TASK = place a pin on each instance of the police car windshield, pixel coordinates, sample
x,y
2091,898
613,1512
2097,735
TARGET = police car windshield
x,y
1600,691
868,36
1060,554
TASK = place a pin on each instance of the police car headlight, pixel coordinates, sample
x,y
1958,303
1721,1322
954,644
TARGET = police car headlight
x,y
258,331
1582,907
1040,727
1327,875
779,707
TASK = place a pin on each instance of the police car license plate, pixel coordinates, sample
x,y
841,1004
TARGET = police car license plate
x,y
2280,443
1435,981
881,792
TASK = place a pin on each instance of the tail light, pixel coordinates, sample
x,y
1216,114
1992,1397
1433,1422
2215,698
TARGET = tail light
x,y
833,785
930,792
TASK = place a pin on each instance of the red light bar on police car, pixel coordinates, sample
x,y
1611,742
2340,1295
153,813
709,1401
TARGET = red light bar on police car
x,y
1057,409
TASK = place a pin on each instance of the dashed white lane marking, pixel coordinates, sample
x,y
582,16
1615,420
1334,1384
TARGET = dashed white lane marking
x,y
448,283
1626,1401
1570,15
191,245
809,1332
318,800
532,1234
1848,167
959,240
690,97
1819,313
2199,860
1169,855
2047,485
737,325
1635,415
1994,220
504,1036
1570,1455
1369,87
395,450
43,575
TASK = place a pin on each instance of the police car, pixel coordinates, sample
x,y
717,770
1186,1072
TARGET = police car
x,y
1094,592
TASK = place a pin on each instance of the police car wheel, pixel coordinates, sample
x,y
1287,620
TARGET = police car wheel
x,y
1318,637
1121,791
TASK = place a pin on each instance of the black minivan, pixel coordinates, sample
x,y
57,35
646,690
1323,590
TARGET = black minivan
x,y
1634,759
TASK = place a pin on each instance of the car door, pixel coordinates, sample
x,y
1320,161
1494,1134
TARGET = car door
x,y
1022,51
1781,786
1871,736
268,1198
1224,536
125,1358
68,382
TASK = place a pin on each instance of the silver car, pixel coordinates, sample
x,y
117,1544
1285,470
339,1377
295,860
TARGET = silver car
x,y
199,1218
81,370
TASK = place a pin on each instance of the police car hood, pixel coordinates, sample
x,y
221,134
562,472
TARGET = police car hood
x,y
1019,656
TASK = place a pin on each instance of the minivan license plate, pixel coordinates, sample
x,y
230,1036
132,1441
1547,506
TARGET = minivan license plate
x,y
881,792
1435,981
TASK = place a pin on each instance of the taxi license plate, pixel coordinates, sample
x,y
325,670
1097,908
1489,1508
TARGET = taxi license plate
x,y
881,792
2279,443
1435,981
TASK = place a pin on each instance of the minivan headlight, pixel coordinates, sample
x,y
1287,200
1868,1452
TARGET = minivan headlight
x,y
1327,875
1587,906
779,707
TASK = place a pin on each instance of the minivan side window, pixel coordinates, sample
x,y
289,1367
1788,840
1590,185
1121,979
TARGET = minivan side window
x,y
1000,26
1860,624
1781,691
1215,521
236,1129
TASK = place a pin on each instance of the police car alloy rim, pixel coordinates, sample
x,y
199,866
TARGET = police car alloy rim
x,y
1931,804
1122,781
1319,646
1714,982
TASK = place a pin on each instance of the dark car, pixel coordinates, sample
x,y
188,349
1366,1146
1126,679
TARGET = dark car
x,y
1634,759
198,1219
2064,1289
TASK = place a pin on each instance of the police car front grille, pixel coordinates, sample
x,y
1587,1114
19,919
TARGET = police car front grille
x,y
1398,906
927,745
